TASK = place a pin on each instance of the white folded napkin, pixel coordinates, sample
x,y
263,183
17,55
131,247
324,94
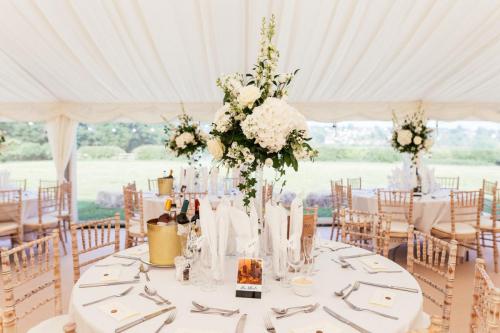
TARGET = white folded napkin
x,y
210,228
240,222
296,223
214,180
276,218
203,180
226,234
324,327
110,274
118,311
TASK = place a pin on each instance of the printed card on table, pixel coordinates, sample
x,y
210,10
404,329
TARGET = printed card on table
x,y
249,284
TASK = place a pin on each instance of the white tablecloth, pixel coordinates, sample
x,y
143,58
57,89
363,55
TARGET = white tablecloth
x,y
407,306
29,207
428,210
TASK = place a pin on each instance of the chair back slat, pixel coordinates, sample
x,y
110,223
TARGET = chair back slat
x,y
366,230
23,268
91,240
440,258
485,312
343,196
396,204
448,183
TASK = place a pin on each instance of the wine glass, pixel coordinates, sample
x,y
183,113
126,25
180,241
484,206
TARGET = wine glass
x,y
295,257
308,244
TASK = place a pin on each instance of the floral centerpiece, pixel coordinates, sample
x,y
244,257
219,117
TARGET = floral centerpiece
x,y
256,126
412,135
187,138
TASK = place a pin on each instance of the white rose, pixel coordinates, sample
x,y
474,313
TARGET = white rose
x,y
184,139
417,140
404,137
268,162
248,95
222,119
216,148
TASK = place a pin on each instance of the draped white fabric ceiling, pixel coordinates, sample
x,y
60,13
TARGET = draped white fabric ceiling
x,y
100,60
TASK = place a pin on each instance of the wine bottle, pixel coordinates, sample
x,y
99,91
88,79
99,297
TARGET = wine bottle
x,y
170,175
182,217
196,215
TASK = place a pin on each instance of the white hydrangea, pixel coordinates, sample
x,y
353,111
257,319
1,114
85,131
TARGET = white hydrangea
x,y
216,148
417,140
184,139
222,119
271,123
404,137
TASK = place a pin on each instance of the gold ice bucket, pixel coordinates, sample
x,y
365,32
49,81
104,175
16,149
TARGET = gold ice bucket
x,y
164,243
165,186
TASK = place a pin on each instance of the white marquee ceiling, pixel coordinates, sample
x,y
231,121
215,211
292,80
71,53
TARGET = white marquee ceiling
x,y
99,60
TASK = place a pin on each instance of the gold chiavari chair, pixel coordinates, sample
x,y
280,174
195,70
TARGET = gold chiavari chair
x,y
335,218
435,326
47,183
438,258
20,183
310,221
94,236
366,230
153,185
449,183
398,205
135,226
489,220
47,218
11,205
354,183
485,312
465,213
32,270
343,199
64,207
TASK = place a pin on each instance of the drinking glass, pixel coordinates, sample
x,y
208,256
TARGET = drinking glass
x,y
295,257
308,244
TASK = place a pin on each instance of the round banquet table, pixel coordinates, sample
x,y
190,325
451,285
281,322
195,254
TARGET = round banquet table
x,y
428,209
328,278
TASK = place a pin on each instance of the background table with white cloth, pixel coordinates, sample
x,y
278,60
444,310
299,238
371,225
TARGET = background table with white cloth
x,y
428,209
330,277
29,207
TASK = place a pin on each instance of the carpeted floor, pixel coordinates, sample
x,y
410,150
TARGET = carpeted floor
x,y
462,297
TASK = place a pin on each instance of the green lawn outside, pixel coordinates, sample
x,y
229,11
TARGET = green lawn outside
x,y
110,175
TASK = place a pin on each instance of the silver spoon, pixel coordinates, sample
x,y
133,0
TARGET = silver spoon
x,y
285,310
150,291
341,292
309,310
145,269
224,314
206,308
354,288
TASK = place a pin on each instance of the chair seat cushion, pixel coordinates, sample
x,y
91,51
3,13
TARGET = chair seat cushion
x,y
399,229
52,325
46,219
460,228
8,227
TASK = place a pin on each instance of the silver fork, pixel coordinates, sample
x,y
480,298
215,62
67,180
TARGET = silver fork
x,y
357,308
170,319
123,293
269,324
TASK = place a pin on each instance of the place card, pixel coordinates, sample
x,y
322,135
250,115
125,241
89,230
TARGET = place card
x,y
374,263
383,297
249,280
118,311
110,275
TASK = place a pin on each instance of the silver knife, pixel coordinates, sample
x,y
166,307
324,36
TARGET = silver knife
x,y
102,284
126,257
357,256
345,321
411,290
143,319
240,327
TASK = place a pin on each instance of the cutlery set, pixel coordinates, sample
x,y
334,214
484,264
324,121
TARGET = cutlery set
x,y
201,309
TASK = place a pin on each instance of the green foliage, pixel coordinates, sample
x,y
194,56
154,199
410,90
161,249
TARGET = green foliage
x,y
88,210
99,152
150,152
26,151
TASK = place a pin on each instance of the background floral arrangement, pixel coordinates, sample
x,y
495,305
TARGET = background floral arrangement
x,y
256,126
412,135
187,138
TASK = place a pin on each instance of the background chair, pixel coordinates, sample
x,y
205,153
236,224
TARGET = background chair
x,y
47,183
449,183
135,226
489,223
465,213
485,313
34,266
47,218
64,207
437,258
11,205
366,230
354,183
343,200
20,184
94,236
